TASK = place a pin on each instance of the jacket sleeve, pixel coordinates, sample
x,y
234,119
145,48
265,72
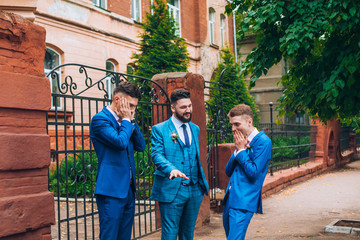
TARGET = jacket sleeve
x,y
253,167
158,152
230,166
138,139
104,132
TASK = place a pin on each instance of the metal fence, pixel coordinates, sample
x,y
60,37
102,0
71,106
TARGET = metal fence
x,y
76,98
293,144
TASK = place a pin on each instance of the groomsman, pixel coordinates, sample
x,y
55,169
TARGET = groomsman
x,y
180,182
247,168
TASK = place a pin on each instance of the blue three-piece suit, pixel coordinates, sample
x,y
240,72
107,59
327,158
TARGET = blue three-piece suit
x,y
179,199
243,196
114,144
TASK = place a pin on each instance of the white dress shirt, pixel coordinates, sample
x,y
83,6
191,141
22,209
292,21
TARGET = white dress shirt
x,y
178,125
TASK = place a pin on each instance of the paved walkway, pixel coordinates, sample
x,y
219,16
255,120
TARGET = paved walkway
x,y
300,211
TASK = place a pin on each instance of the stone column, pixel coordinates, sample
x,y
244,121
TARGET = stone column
x,y
194,83
26,205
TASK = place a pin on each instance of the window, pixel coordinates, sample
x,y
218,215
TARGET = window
x,y
222,29
110,66
136,10
100,3
211,25
52,59
174,11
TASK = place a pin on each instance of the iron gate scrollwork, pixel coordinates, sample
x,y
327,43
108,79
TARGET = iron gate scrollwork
x,y
76,98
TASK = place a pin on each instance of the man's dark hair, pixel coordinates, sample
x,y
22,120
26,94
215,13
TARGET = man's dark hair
x,y
128,88
179,94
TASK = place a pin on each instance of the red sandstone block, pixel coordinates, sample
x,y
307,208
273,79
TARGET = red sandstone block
x,y
18,151
26,213
33,92
19,185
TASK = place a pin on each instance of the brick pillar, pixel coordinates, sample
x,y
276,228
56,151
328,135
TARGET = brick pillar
x,y
328,142
26,205
194,83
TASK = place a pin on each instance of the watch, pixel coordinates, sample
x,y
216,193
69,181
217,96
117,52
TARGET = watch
x,y
133,121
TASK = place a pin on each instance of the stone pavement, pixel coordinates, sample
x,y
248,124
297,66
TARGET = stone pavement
x,y
300,211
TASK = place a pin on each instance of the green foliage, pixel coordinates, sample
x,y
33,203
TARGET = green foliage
x,y
75,176
160,49
234,88
78,176
287,148
320,39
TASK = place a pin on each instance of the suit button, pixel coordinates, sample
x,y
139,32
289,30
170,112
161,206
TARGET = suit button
x,y
182,162
235,170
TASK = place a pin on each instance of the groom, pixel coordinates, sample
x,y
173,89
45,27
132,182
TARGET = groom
x,y
180,182
247,168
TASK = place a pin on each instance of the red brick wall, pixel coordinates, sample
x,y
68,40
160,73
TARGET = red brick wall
x,y
26,205
121,7
194,20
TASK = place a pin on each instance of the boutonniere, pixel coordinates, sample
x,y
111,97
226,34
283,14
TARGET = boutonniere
x,y
174,137
248,147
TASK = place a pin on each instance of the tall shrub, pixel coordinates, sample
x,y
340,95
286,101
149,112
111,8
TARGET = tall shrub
x,y
234,88
161,50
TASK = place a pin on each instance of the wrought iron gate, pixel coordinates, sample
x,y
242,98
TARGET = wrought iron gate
x,y
217,131
76,98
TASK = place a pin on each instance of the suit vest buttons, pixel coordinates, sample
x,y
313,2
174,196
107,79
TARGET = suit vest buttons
x,y
182,162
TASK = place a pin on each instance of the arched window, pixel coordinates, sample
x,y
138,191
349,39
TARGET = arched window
x,y
212,25
174,11
222,29
110,66
52,60
136,10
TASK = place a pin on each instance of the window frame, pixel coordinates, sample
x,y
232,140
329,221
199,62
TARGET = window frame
x,y
222,29
212,26
58,71
99,4
176,9
136,10
109,86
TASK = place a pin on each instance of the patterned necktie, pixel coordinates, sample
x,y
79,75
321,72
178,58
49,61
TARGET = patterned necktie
x,y
187,142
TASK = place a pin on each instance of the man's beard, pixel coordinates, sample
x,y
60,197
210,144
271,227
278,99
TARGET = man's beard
x,y
182,118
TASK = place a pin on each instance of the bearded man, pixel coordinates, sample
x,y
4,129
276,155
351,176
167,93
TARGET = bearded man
x,y
180,182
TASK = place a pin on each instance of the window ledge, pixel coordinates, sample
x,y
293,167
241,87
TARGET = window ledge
x,y
214,46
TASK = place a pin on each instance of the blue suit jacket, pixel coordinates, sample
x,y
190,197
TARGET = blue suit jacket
x,y
167,156
113,144
247,173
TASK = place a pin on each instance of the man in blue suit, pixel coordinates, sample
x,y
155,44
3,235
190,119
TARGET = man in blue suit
x,y
115,135
247,168
180,182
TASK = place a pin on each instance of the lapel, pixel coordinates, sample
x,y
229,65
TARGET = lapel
x,y
194,138
256,138
111,117
173,129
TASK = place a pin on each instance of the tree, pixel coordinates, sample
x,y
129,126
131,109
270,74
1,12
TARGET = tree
x,y
161,50
234,88
320,39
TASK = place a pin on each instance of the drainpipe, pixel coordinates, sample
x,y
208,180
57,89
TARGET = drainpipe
x,y
235,44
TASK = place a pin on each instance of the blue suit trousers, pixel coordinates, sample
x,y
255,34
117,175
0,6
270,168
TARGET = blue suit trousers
x,y
236,222
178,218
116,216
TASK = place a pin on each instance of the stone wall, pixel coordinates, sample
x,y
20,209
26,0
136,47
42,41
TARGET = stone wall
x,y
26,205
